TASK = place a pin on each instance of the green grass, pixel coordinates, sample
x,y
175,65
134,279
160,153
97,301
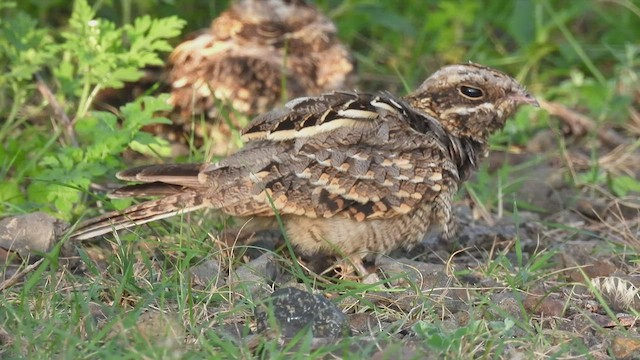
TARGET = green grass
x,y
99,302
98,313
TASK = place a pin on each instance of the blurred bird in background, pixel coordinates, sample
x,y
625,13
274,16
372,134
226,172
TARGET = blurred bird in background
x,y
255,55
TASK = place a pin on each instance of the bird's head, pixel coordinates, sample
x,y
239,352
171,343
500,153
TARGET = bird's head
x,y
470,100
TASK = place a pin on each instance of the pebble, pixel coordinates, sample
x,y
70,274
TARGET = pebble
x,y
291,311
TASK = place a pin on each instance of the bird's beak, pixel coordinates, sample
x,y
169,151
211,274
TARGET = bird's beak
x,y
526,98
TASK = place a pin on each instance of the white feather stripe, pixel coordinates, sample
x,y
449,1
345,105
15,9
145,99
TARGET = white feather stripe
x,y
358,114
383,105
312,130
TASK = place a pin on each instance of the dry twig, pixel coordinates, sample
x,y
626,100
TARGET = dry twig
x,y
15,278
58,111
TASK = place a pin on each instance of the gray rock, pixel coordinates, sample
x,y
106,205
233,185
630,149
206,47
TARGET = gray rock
x,y
207,272
507,305
289,311
256,276
404,271
31,233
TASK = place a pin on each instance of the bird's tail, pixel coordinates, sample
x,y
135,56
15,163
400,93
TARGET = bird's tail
x,y
145,212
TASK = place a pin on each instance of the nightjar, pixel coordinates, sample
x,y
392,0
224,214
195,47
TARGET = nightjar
x,y
351,174
255,55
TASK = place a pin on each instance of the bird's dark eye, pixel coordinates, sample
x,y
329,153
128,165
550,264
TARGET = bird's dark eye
x,y
471,92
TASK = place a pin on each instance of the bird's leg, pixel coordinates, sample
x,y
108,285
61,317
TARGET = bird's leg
x,y
346,268
367,276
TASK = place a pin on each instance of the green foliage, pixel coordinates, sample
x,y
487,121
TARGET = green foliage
x,y
50,164
524,272
623,185
65,175
109,56
24,46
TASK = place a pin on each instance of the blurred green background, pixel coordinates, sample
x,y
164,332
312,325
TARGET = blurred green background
x,y
543,39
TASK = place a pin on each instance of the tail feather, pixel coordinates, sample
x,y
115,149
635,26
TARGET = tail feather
x,y
175,174
140,214
146,190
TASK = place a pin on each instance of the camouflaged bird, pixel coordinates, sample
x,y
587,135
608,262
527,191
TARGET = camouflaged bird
x,y
351,174
256,54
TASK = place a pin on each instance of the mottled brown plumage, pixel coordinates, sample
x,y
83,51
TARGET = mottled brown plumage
x,y
256,54
351,174
253,57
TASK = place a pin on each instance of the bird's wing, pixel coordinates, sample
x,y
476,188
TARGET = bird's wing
x,y
358,155
344,154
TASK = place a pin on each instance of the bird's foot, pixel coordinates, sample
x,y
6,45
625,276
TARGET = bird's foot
x,y
352,268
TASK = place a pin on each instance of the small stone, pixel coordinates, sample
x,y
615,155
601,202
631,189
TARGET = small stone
x,y
593,208
256,276
403,301
363,323
592,269
484,236
603,320
543,305
405,272
462,318
163,329
234,331
99,313
625,347
291,311
578,323
539,195
541,142
627,320
508,303
207,272
600,268
31,233
160,327
432,280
